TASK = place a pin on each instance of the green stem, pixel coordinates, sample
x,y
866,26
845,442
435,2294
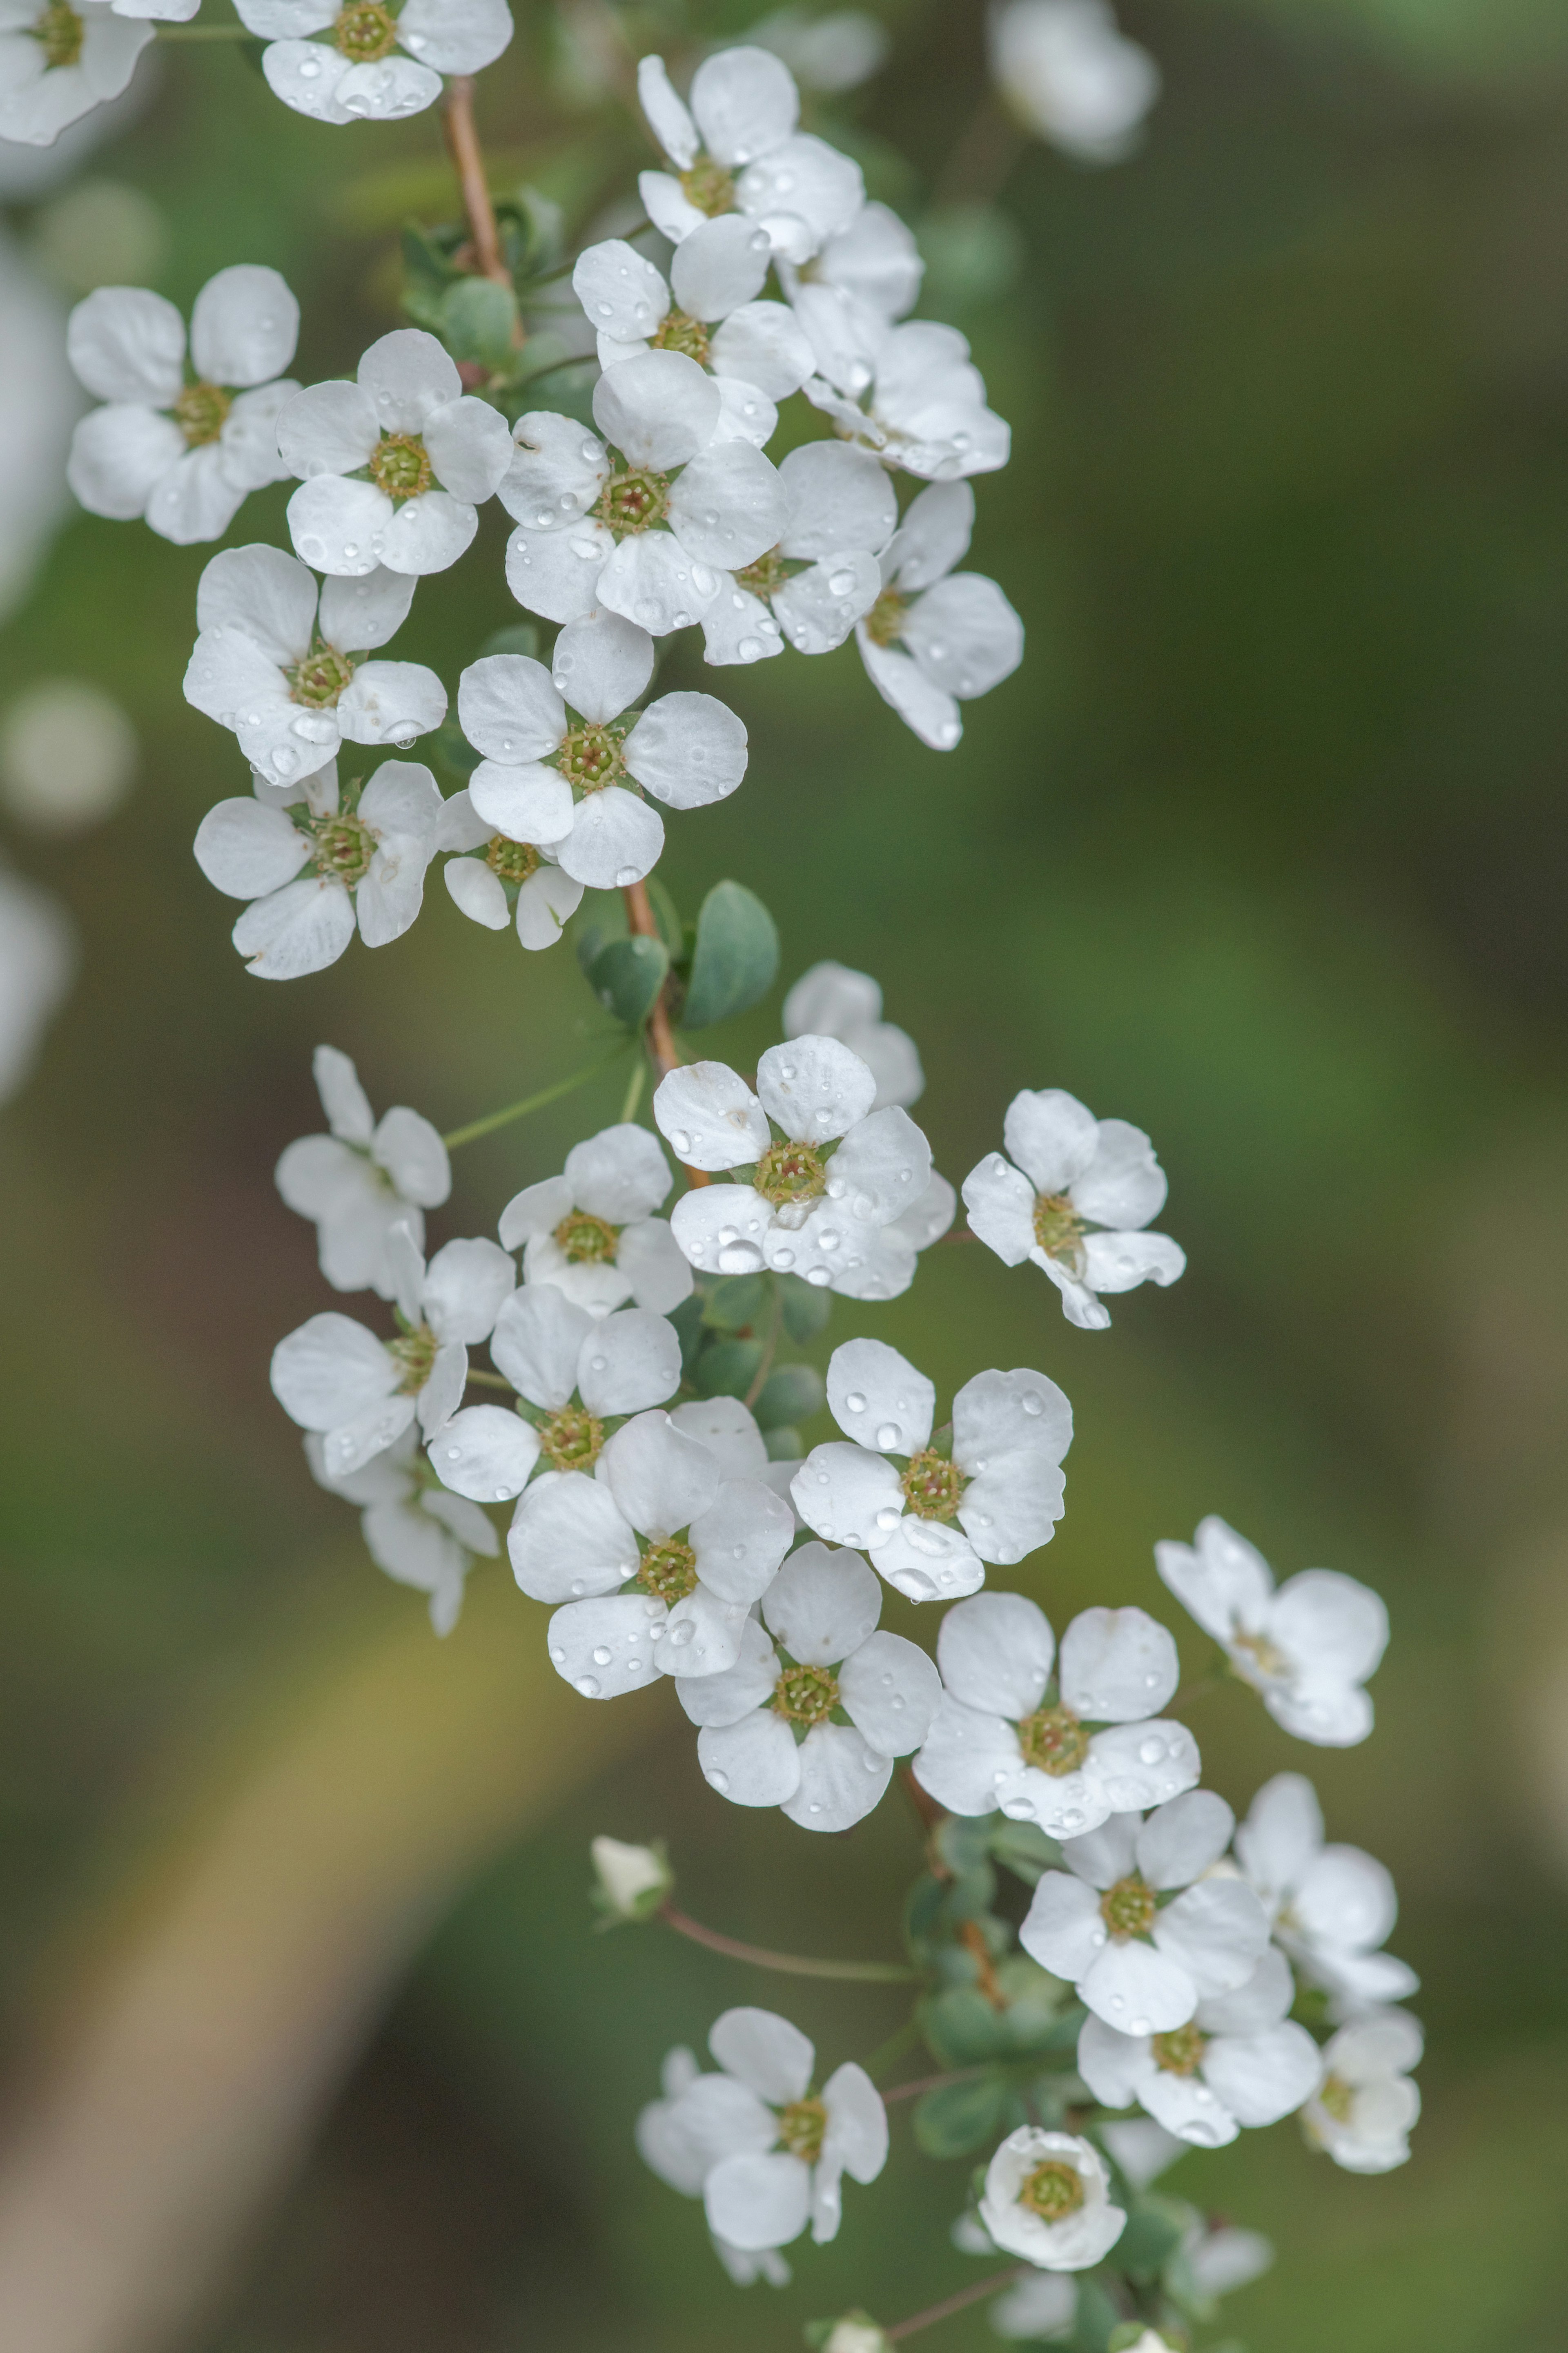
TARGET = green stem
x,y
478,1127
770,1351
935,2312
907,2035
490,1380
796,1965
634,1093
1203,1689
920,2084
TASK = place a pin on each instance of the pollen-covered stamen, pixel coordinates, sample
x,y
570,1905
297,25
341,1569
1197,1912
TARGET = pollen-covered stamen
x,y
802,2127
1263,1655
571,1440
632,501
1181,2052
676,333
585,1241
668,1571
415,1352
1129,1908
1059,1229
885,621
1337,2097
806,1695
766,575
790,1172
59,32
933,1485
512,862
591,756
709,186
321,677
1053,1741
400,463
1053,2192
365,32
344,848
201,409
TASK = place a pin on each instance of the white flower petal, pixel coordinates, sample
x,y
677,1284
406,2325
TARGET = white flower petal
x,y
428,533
248,439
1215,1931
757,2201
1124,1185
358,613
1178,1843
538,1339
849,1495
247,851
117,458
329,429
738,627
932,537
1121,1261
730,505
753,1762
659,409
477,891
1115,2066
544,902
568,1541
391,702
822,1605
968,1754
556,473
892,1691
965,635
1131,1765
925,1561
995,1412
729,1430
1052,1136
688,750
704,1635
628,1362
840,498
817,609
339,525
719,267
196,499
330,1370
455,37
1224,1582
878,1399
1000,1201
529,803
1344,1897
660,1479
601,664
1262,2077
741,1538
745,103
995,1654
302,928
1137,1989
815,1088
1117,1666
306,76
407,376
670,211
614,839
762,343
653,580
1334,1627
667,118
807,181
605,1648
465,1286
927,709
244,323
710,1117
486,1452
723,1699
623,295
126,343
1062,1929
261,593
841,1780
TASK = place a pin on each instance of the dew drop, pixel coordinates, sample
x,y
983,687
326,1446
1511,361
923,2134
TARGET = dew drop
x,y
855,1402
601,1656
589,1686
720,1782
1152,1752
1033,1402
890,1435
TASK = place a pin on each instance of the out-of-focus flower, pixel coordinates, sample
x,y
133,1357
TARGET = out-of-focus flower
x,y
413,1531
736,149
355,75
831,53
37,964
591,1231
1037,2309
362,1179
39,402
630,1882
1367,2104
1239,2061
101,232
832,1000
184,455
67,756
1333,1907
58,60
910,393
1048,2198
1067,72
935,638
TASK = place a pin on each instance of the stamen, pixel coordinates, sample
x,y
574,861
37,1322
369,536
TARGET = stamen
x,y
344,848
709,186
513,862
790,1172
321,677
885,621
1338,2097
591,756
933,1485
571,1440
806,1695
1266,1656
676,333
58,31
200,411
400,463
415,1352
365,32
1053,2192
585,1241
802,2128
1129,1908
1053,1741
1181,2052
634,500
668,1571
765,576
1059,1229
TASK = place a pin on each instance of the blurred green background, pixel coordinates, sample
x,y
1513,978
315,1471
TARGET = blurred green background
x,y
1263,849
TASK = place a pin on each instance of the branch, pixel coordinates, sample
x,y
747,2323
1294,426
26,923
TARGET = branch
x,y
935,2312
794,1965
486,1126
660,1037
468,162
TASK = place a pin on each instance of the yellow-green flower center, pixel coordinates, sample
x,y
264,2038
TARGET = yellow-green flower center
x,y
400,463
668,1571
885,621
513,862
1181,2052
765,576
1059,1229
585,1241
571,1440
802,2125
709,185
200,411
790,1172
1053,1741
344,848
1128,1909
365,32
321,677
1263,1654
58,31
806,1695
415,1352
634,500
933,1485
676,333
1337,2097
591,756
1053,2192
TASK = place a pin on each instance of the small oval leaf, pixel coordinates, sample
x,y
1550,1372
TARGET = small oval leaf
x,y
736,959
627,978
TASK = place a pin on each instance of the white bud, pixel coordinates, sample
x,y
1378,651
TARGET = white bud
x,y
633,1880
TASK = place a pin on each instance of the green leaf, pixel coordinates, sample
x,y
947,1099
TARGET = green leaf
x,y
688,1321
1153,2232
807,1307
627,978
425,264
666,917
1095,2318
517,638
962,2029
734,1301
542,224
1024,1849
956,2118
477,321
452,748
736,959
790,1393
728,1368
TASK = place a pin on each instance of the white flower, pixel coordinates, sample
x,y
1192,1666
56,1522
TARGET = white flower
x,y
632,1881
768,2156
815,585
1333,1907
935,638
832,54
1222,2258
354,75
413,1530
1141,1965
1076,1174
676,2140
361,1393
514,881
362,1179
997,1742
548,774
67,756
910,393
59,59
392,466
693,1549
756,352
876,260
186,455
1308,1648
1239,2061
835,1216
644,520
576,1370
1367,2104
832,1000
368,852
281,660
1038,2308
768,1737
591,1231
736,149
1071,75
1048,2198
37,964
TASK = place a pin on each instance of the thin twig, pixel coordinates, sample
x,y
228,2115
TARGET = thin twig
x,y
468,162
660,1035
478,1127
794,1965
919,2083
1202,1689
894,2048
490,1380
634,1091
935,2312
959,1234
769,1352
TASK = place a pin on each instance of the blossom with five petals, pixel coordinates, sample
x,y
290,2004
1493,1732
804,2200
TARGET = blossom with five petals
x,y
735,148
1241,2060
935,638
1048,2198
755,351
355,75
59,59
592,1231
186,455
362,1180
816,583
1367,2104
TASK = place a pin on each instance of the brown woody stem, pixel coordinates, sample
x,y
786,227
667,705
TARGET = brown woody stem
x,y
794,1965
935,2312
660,1037
468,162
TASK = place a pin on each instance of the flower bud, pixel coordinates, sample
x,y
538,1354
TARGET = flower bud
x,y
854,2332
633,1880
1136,2336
